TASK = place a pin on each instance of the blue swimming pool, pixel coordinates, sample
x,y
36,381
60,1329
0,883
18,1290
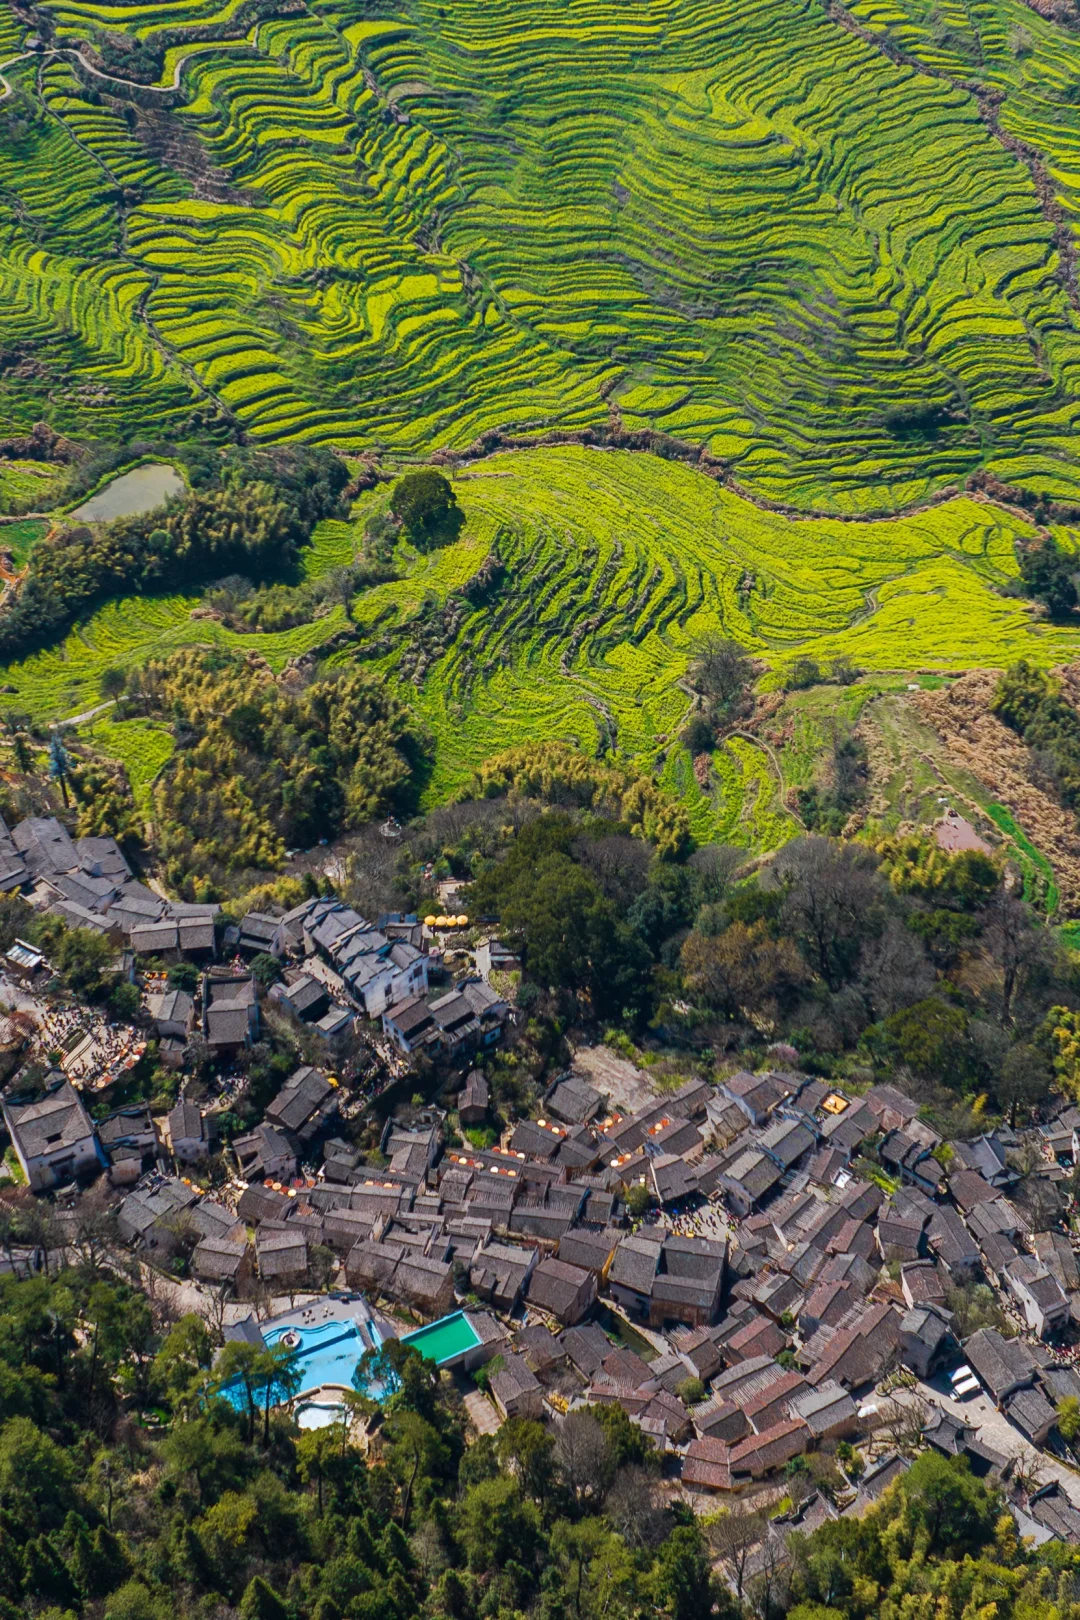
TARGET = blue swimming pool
x,y
328,1352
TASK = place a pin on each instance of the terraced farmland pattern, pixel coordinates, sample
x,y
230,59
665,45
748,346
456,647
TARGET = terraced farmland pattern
x,y
832,249
614,563
826,255
610,564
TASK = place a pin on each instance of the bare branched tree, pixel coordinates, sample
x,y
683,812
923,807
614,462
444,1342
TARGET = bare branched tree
x,y
1026,1472
370,882
92,1232
716,865
903,1421
583,1452
635,1507
213,1312
719,667
832,905
1023,952
620,865
770,1587
733,1536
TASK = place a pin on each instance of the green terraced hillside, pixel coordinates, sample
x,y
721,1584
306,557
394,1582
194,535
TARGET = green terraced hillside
x,y
612,563
833,249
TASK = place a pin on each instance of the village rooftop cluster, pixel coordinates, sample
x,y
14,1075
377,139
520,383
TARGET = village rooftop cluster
x,y
793,1247
338,968
736,1352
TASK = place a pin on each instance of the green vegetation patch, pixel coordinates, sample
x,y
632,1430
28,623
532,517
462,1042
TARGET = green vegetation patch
x,y
141,746
20,538
748,229
568,607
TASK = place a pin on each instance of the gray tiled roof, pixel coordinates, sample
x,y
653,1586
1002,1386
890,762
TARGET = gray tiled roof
x,y
56,1121
999,1362
635,1264
557,1286
304,1093
45,846
587,1248
573,1099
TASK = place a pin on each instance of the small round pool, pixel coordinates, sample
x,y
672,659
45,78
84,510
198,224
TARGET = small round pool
x,y
319,1412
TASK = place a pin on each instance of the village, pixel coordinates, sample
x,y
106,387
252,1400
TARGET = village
x,y
789,1287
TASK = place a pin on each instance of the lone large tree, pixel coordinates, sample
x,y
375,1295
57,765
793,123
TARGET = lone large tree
x,y
426,507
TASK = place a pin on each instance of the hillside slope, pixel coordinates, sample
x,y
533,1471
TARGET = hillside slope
x,y
568,608
831,250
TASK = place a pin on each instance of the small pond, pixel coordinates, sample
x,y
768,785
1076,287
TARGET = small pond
x,y
140,490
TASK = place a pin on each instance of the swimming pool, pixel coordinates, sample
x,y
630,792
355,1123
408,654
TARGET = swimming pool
x,y
444,1340
328,1352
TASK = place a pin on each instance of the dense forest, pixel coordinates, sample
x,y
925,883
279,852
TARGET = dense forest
x,y
261,765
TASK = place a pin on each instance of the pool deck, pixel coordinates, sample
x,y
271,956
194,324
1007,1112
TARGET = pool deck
x,y
321,1310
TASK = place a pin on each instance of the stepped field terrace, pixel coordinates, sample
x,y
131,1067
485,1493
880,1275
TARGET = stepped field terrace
x,y
831,247
610,564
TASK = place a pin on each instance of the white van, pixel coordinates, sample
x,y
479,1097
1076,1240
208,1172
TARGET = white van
x,y
964,1384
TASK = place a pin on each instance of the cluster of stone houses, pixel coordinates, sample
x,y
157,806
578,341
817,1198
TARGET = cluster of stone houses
x,y
224,1013
166,1213
757,1343
383,970
57,1144
337,963
829,1282
88,883
370,966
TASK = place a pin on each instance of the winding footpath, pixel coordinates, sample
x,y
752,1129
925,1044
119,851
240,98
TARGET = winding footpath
x,y
106,78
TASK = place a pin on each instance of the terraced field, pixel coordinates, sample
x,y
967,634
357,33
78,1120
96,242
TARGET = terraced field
x,y
829,252
142,748
610,564
833,250
27,486
615,563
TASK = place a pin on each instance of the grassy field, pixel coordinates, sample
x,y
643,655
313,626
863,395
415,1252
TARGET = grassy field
x,y
141,746
749,228
21,537
611,565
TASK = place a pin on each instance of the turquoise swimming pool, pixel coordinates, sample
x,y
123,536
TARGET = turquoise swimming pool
x,y
325,1353
328,1352
448,1339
